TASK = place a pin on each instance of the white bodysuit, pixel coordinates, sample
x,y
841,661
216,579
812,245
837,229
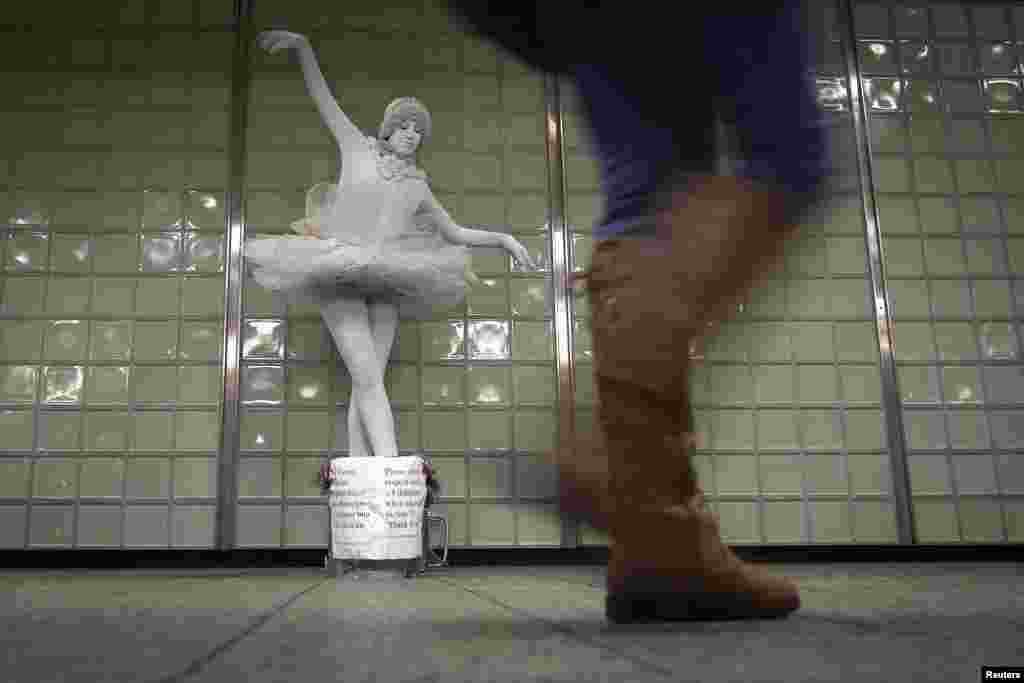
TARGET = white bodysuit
x,y
380,239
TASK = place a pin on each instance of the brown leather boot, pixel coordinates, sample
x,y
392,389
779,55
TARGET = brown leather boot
x,y
649,300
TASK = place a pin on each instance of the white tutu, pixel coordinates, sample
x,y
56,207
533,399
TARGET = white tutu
x,y
417,270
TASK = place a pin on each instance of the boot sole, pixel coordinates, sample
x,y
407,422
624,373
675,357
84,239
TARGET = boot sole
x,y
654,607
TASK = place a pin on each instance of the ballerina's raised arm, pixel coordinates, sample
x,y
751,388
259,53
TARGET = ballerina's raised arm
x,y
345,132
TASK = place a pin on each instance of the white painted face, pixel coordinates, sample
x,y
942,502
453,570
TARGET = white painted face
x,y
406,138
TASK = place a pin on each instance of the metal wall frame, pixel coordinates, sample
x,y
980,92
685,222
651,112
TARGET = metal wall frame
x,y
561,249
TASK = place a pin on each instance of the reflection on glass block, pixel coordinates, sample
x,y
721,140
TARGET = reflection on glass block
x,y
922,95
27,251
204,253
998,342
71,253
161,253
66,340
955,59
916,57
1002,95
205,210
883,94
832,94
201,341
999,59
877,57
263,338
30,210
489,340
262,385
443,341
63,385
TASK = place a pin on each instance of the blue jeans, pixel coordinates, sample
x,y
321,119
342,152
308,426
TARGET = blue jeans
x,y
652,82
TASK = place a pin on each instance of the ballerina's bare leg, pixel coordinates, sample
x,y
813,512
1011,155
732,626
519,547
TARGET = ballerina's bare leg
x,y
349,323
383,325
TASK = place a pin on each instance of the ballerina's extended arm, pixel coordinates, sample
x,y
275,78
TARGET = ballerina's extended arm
x,y
456,234
345,132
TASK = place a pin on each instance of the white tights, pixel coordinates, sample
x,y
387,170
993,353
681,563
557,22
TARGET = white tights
x,y
364,333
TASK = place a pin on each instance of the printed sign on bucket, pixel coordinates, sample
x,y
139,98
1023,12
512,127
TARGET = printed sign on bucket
x,y
376,507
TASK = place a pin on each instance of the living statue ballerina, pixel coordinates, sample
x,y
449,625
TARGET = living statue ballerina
x,y
375,244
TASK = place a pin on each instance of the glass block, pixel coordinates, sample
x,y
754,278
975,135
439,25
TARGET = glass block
x,y
55,478
955,59
999,59
817,384
262,431
783,522
532,341
195,478
113,296
488,340
938,215
869,474
262,384
199,385
990,22
933,175
161,253
860,383
202,296
1007,429
539,525
738,521
992,298
921,96
203,254
196,431
919,384
832,94
929,474
888,134
111,341
856,341
62,385
974,474
891,175
874,522
308,431
205,210
259,526
489,431
776,429
1008,138
1011,473
193,526
849,299
263,339
307,340
99,526
71,254
1009,172
108,431
1002,95
492,524
935,521
913,342
967,430
147,478
534,385
487,385
998,341
980,521
302,477
259,477
201,341
781,474
951,298
108,385
444,431
883,94
156,384
306,525
66,295
980,215
116,254
871,19
27,251
311,385
986,257
146,526
535,430
773,384
157,296
531,298
52,526
924,430
821,429
877,57
443,341
489,298
731,430
915,57
18,383
961,96
490,478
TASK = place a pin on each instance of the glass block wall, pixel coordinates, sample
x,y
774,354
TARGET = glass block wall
x,y
788,396
113,173
944,99
473,388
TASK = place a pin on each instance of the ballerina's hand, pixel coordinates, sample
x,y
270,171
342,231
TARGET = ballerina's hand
x,y
519,253
312,230
273,41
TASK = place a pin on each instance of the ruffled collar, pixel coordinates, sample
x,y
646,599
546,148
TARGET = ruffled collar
x,y
392,167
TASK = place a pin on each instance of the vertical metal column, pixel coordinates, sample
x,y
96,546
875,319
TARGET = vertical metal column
x,y
560,264
891,405
227,485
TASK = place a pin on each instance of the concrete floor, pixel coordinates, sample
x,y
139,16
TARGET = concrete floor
x,y
935,622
